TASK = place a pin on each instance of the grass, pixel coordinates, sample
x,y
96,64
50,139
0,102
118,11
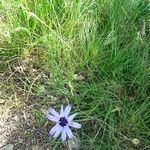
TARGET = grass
x,y
105,43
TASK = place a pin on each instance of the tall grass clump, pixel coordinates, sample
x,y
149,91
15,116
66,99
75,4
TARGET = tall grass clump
x,y
104,41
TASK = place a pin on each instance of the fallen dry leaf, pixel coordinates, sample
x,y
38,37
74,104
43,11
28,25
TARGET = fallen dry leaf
x,y
78,77
36,147
117,109
71,88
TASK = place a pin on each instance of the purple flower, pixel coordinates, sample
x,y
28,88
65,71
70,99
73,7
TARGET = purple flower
x,y
63,122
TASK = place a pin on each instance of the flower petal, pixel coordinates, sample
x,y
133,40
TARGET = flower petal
x,y
62,111
53,112
67,110
63,135
70,118
69,132
75,125
58,131
52,118
54,129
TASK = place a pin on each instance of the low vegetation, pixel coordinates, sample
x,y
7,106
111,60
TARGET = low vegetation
x,y
94,54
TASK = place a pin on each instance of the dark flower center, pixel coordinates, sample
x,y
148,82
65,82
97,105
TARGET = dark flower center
x,y
63,121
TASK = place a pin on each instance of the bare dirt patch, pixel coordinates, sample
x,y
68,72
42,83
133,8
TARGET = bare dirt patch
x,y
22,110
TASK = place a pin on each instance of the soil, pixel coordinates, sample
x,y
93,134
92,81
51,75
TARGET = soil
x,y
22,117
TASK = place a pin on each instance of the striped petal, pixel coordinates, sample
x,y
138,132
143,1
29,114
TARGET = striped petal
x,y
52,118
63,135
58,131
67,110
75,125
53,112
54,129
69,132
62,111
70,118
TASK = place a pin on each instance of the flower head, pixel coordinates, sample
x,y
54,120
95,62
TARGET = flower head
x,y
63,122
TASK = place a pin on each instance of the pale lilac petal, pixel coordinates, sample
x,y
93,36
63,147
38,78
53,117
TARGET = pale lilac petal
x,y
62,111
54,129
70,118
75,125
69,132
58,131
52,118
67,110
63,135
53,112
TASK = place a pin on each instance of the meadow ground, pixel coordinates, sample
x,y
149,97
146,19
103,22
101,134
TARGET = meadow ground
x,y
94,54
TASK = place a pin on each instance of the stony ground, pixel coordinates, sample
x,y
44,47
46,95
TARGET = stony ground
x,y
22,122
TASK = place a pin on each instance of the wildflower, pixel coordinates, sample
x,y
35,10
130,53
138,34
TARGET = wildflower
x,y
63,123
